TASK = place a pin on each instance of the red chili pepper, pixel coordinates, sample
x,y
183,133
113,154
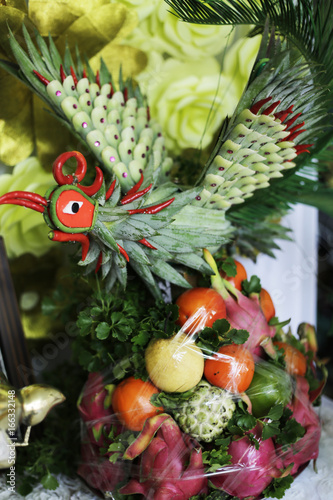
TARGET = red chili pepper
x,y
255,108
98,79
109,192
293,136
84,73
95,186
80,171
23,203
136,186
37,198
123,252
24,199
302,148
147,244
271,108
62,73
74,76
41,78
78,237
128,198
282,115
99,262
79,174
292,120
295,127
125,92
151,210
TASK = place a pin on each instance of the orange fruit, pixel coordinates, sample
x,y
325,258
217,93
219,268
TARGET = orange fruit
x,y
231,368
295,360
240,276
206,303
131,402
266,304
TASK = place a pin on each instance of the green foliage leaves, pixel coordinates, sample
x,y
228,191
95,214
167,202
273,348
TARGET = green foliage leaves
x,y
277,422
305,23
115,329
49,482
103,330
278,487
228,266
291,430
241,421
212,338
251,286
119,443
218,456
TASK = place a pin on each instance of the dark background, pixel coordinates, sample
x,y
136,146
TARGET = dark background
x,y
325,296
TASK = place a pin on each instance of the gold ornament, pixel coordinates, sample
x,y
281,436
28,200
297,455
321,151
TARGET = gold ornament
x,y
27,406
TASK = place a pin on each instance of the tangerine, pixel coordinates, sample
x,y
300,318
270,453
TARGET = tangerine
x,y
231,368
131,402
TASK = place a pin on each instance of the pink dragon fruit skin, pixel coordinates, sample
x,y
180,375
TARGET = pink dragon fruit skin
x,y
252,470
242,312
246,313
97,415
170,467
307,447
98,471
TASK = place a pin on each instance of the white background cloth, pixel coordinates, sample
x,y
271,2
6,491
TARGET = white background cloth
x,y
291,278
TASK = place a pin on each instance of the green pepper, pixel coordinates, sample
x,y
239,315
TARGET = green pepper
x,y
270,386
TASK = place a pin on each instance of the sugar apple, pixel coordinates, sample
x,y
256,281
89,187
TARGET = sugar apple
x,y
206,412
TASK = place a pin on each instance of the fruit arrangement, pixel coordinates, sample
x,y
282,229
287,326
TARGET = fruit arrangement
x,y
197,393
220,406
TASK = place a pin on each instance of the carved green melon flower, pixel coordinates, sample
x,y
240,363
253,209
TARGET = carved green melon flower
x,y
164,32
196,98
24,230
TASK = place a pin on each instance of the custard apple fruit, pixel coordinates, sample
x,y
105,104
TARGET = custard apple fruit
x,y
206,412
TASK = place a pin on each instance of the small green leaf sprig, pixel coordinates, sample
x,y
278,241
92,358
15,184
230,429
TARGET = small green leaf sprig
x,y
115,329
277,423
210,339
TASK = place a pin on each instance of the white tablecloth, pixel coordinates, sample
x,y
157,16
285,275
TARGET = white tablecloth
x,y
309,485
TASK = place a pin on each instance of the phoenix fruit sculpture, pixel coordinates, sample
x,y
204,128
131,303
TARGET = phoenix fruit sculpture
x,y
134,211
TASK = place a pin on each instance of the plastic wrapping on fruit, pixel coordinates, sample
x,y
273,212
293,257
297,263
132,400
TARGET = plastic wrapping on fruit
x,y
204,413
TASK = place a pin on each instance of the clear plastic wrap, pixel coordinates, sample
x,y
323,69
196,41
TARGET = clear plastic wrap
x,y
226,410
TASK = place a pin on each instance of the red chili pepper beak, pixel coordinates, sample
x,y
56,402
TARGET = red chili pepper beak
x,y
24,199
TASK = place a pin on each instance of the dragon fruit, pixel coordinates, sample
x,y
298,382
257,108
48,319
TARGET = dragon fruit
x,y
94,406
307,447
98,471
251,470
171,463
242,312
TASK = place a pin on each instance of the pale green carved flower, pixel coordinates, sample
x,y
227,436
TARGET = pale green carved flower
x,y
24,230
196,98
143,8
164,32
239,60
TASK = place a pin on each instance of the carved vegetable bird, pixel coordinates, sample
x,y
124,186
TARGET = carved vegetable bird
x,y
112,228
143,216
